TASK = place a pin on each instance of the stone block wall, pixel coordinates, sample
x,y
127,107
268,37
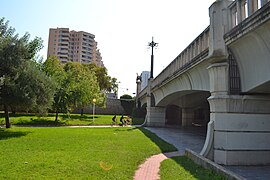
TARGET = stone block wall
x,y
113,106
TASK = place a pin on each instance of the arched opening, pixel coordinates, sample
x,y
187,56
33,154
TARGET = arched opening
x,y
173,115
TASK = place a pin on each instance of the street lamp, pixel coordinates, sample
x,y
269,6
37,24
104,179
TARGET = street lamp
x,y
94,102
152,45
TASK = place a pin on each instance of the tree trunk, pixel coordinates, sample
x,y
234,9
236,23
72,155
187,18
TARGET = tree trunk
x,y
7,116
81,111
56,116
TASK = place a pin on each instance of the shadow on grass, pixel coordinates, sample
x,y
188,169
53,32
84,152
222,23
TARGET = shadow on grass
x,y
163,145
79,117
2,115
6,134
198,172
40,122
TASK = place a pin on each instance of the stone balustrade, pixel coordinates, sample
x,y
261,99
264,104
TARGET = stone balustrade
x,y
255,20
241,9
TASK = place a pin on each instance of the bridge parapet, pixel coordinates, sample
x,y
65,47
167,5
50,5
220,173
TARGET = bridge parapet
x,y
255,20
241,9
143,92
190,55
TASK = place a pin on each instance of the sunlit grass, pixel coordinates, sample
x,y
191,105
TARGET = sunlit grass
x,y
72,119
76,153
181,167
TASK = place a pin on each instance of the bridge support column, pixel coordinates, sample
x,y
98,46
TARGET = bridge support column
x,y
187,116
241,123
155,116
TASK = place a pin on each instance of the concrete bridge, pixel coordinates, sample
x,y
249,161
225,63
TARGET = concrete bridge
x,y
220,81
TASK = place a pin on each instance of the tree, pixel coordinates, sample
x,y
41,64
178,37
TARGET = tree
x,y
106,82
76,85
22,83
114,85
85,86
127,103
54,69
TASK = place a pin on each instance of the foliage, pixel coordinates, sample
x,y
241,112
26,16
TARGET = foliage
x,y
106,82
182,167
84,86
125,96
55,71
138,112
127,103
114,85
76,85
33,89
75,153
22,84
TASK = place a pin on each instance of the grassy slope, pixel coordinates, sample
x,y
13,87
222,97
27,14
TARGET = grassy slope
x,y
75,153
179,168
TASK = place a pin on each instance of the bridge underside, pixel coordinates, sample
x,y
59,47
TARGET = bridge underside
x,y
182,109
239,119
252,53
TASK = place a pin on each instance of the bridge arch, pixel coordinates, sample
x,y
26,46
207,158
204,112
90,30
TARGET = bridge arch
x,y
252,52
195,79
193,103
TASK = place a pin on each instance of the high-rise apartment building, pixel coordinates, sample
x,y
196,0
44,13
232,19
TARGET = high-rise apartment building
x,y
76,46
145,75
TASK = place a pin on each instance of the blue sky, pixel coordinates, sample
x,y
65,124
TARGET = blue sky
x,y
122,28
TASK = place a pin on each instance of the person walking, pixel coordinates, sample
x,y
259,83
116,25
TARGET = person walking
x,y
121,120
114,120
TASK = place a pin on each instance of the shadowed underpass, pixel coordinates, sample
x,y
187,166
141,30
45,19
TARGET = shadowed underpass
x,y
193,138
182,138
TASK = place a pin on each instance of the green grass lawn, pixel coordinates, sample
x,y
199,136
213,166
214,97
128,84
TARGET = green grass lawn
x,y
84,153
181,167
72,119
76,153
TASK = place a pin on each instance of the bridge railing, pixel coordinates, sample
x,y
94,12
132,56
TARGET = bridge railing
x,y
143,92
241,9
187,56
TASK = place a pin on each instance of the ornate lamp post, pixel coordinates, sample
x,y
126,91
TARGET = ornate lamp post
x,y
94,103
152,45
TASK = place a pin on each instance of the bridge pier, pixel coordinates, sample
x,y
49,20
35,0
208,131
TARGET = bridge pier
x,y
241,122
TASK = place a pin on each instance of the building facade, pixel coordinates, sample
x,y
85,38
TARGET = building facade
x,y
145,75
73,46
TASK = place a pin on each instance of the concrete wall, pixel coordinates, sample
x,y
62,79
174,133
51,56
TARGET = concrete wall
x,y
113,106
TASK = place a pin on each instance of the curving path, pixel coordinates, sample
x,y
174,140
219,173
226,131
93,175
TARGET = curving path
x,y
149,170
192,138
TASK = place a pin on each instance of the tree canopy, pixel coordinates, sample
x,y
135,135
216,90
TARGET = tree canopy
x,y
30,85
106,82
77,86
22,83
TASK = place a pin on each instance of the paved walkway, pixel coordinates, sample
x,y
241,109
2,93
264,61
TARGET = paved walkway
x,y
149,170
193,138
